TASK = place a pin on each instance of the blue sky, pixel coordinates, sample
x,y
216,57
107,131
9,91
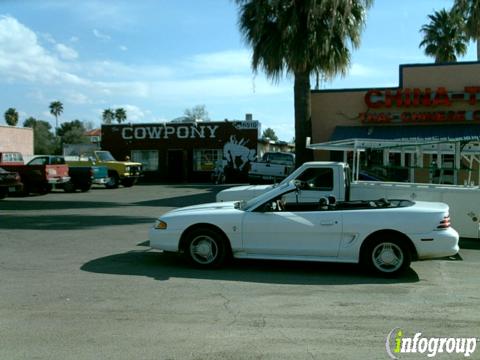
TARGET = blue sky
x,y
157,58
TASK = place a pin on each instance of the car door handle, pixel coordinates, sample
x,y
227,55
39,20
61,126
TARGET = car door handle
x,y
328,222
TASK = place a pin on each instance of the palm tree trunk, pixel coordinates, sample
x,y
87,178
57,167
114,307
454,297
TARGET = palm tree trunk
x,y
303,122
478,49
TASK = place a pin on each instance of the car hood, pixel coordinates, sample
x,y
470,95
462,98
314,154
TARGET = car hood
x,y
245,192
217,206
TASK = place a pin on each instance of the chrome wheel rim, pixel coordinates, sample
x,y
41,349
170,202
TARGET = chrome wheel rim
x,y
387,257
203,249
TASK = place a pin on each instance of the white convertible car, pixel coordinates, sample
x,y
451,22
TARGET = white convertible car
x,y
385,235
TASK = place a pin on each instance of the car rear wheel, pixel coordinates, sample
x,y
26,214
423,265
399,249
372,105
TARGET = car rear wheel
x,y
389,258
69,187
206,248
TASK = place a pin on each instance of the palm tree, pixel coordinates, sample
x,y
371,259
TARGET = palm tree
x,y
302,38
444,38
120,115
56,109
108,115
11,117
470,11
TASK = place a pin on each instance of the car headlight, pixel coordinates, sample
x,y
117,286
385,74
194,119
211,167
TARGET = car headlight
x,y
160,225
127,169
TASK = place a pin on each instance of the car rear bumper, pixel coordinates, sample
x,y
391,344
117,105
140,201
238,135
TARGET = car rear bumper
x,y
437,244
59,180
101,181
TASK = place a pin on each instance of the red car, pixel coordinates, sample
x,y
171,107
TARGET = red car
x,y
9,182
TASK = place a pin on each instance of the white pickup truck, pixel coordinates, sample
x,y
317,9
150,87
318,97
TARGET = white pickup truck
x,y
333,179
274,166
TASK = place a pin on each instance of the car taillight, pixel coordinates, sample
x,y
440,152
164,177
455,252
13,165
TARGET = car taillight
x,y
445,223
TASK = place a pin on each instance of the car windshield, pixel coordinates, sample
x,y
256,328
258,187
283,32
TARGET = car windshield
x,y
246,205
105,156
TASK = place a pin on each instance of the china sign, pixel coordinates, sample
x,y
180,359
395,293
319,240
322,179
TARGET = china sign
x,y
419,105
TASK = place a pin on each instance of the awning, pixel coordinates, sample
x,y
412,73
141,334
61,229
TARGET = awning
x,y
378,137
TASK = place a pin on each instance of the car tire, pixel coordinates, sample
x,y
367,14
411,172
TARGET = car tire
x,y
85,187
206,248
3,192
129,182
69,187
387,257
113,182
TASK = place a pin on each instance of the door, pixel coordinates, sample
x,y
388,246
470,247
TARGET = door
x,y
175,164
309,233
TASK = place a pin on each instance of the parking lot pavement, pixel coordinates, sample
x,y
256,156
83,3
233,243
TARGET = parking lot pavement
x,y
78,281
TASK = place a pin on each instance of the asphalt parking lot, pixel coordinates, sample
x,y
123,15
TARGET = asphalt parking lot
x,y
78,281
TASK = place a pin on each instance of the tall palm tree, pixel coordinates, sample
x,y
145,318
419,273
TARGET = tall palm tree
x,y
56,109
470,11
11,117
108,115
443,37
302,38
120,115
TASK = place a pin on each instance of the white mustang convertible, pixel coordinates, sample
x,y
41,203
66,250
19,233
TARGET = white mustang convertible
x,y
384,235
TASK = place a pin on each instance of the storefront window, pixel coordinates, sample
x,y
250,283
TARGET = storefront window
x,y
148,158
205,159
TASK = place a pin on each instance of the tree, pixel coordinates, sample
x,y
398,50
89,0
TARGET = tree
x,y
444,37
197,113
43,139
108,115
470,12
11,117
120,115
270,134
72,132
56,109
303,38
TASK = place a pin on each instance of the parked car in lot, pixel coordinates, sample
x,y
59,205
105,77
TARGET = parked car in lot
x,y
81,177
9,182
273,167
382,235
37,176
119,172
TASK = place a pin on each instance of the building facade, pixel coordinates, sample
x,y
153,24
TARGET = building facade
x,y
425,130
16,139
185,151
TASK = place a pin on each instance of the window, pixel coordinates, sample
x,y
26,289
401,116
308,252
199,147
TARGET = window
x,y
12,157
38,161
205,159
318,178
148,158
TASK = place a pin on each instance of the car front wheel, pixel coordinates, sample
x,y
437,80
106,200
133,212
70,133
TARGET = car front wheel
x,y
389,258
206,248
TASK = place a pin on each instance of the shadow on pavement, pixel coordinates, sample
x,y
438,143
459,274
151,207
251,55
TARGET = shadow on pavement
x,y
471,244
163,266
69,222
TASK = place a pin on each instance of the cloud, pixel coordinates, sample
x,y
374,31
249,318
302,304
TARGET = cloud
x,y
134,113
123,48
65,52
101,35
22,57
230,61
361,70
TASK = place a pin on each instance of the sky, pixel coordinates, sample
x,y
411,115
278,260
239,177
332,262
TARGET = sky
x,y
156,58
